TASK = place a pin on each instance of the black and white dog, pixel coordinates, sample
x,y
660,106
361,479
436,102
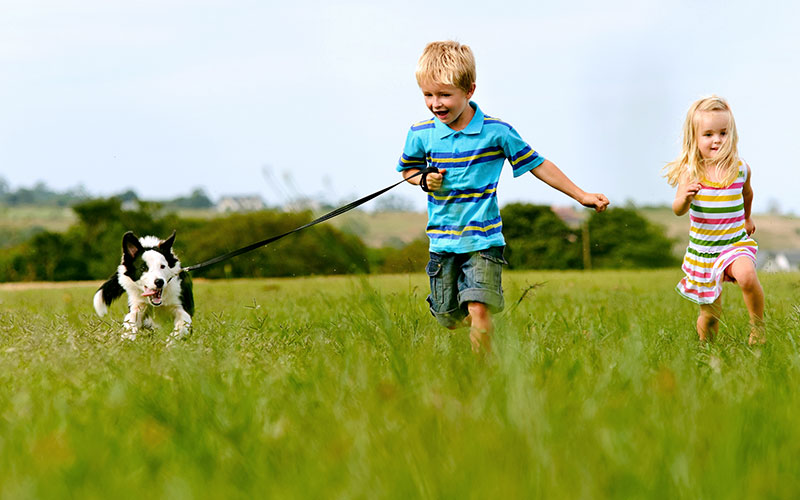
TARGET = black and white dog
x,y
151,275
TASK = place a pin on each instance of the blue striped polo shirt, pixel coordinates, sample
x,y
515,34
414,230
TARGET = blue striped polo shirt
x,y
464,216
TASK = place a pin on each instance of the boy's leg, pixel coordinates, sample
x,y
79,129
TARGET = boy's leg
x,y
443,271
744,272
481,293
480,332
708,320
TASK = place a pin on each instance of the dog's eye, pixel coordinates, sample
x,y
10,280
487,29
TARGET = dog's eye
x,y
163,266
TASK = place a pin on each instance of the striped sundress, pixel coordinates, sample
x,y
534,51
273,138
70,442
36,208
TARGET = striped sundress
x,y
716,238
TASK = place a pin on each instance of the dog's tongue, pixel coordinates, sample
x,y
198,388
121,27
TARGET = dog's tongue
x,y
148,292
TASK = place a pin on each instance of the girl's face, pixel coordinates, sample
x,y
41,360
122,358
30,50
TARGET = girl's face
x,y
712,132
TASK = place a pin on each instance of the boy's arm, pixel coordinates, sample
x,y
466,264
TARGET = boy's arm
x,y
551,175
408,173
414,153
434,180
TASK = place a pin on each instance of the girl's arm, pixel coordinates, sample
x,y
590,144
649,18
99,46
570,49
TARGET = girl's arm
x,y
551,175
747,195
684,196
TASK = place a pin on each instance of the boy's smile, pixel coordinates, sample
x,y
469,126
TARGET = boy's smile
x,y
449,104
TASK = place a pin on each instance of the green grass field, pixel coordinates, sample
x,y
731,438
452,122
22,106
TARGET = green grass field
x,y
346,388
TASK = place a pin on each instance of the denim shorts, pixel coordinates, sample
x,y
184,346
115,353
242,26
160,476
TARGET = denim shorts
x,y
460,278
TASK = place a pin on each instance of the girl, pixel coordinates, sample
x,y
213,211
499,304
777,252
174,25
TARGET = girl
x,y
714,187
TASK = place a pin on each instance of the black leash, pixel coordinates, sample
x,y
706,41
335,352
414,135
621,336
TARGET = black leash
x,y
330,215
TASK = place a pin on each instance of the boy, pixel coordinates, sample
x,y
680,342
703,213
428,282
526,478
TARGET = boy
x,y
464,226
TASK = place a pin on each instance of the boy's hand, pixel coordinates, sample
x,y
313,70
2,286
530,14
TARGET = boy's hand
x,y
435,180
598,201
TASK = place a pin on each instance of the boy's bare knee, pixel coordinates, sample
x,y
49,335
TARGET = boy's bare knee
x,y
478,309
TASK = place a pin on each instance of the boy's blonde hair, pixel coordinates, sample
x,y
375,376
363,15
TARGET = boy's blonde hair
x,y
690,163
447,63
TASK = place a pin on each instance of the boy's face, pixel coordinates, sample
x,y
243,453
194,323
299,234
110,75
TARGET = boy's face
x,y
448,103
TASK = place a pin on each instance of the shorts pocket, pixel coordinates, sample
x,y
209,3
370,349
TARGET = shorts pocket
x,y
496,257
489,267
434,270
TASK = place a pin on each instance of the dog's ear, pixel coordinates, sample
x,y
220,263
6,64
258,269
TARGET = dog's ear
x,y
131,245
166,245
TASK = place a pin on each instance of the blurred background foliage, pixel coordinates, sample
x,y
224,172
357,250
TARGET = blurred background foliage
x,y
536,237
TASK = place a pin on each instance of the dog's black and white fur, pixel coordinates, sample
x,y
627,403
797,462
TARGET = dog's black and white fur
x,y
151,275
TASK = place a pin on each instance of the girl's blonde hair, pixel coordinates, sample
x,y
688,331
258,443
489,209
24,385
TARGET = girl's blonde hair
x,y
447,63
690,163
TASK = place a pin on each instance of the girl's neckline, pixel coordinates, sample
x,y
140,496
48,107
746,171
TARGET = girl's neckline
x,y
713,184
707,182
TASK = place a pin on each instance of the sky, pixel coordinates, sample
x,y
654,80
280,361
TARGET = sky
x,y
314,98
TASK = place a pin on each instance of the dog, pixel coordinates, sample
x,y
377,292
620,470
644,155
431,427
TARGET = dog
x,y
151,275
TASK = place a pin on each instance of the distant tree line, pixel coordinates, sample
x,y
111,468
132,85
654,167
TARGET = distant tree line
x,y
91,248
536,239
41,195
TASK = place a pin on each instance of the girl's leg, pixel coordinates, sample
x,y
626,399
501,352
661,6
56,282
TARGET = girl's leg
x,y
708,320
480,333
744,272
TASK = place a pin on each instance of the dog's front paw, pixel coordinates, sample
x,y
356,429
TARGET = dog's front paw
x,y
131,323
182,330
129,335
129,330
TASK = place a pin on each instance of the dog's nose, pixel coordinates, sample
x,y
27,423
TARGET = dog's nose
x,y
159,283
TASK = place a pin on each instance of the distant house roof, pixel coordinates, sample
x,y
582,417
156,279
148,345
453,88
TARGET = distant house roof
x,y
569,215
249,203
778,260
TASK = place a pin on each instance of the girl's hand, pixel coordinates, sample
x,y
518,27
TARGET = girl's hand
x,y
749,226
688,191
683,197
435,181
598,201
